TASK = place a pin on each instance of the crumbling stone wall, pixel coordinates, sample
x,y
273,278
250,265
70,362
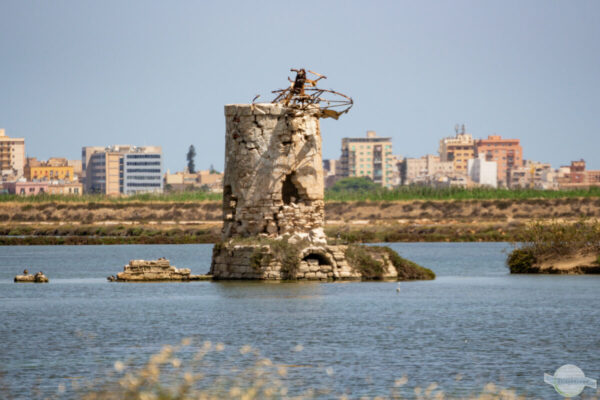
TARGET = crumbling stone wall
x,y
273,183
256,261
152,270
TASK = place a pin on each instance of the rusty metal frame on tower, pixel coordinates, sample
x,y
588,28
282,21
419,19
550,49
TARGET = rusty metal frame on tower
x,y
303,94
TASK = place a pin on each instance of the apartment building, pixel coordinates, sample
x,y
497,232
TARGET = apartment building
x,y
12,155
369,157
53,169
424,169
507,153
458,149
532,174
122,169
65,188
184,180
577,176
26,188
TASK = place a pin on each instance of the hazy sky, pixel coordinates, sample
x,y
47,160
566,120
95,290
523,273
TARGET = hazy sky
x,y
77,73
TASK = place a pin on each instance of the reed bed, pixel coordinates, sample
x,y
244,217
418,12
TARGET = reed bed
x,y
403,193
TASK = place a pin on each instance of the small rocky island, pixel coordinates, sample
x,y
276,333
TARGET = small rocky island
x,y
154,271
29,278
558,248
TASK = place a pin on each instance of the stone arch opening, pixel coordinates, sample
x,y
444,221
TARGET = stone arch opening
x,y
291,192
317,259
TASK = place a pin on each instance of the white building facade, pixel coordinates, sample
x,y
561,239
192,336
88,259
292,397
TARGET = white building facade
x,y
482,172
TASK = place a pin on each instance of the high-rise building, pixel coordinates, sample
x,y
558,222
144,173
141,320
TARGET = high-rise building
x,y
369,157
458,149
122,169
507,153
12,155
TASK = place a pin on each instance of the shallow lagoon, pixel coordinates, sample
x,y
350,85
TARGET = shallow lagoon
x,y
474,324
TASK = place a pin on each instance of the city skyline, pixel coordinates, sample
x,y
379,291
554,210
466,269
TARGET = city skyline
x,y
84,74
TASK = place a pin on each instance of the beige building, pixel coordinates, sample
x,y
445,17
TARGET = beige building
x,y
532,175
65,188
77,166
186,180
458,149
12,155
424,169
369,157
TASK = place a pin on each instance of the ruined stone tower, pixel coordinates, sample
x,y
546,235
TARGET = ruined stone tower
x,y
273,208
273,182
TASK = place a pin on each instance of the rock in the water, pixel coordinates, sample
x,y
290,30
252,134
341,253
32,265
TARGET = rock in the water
x,y
151,270
27,277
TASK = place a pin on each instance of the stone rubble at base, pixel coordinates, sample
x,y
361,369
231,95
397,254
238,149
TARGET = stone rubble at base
x,y
154,270
317,262
37,278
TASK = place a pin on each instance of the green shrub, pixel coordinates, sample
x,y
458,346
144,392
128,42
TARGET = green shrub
x,y
361,259
557,239
369,261
521,261
288,255
407,270
259,258
285,253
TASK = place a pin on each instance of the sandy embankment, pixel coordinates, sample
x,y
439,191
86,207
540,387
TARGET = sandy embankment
x,y
575,264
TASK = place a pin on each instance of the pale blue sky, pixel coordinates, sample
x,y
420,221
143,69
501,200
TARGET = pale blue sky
x,y
77,73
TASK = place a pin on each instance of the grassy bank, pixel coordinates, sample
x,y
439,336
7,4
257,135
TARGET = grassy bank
x,y
403,193
181,212
195,217
427,193
178,197
43,234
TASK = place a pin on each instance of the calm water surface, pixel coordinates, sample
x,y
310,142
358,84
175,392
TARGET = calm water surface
x,y
474,324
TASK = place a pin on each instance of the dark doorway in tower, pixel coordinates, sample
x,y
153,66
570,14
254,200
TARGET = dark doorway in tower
x,y
289,190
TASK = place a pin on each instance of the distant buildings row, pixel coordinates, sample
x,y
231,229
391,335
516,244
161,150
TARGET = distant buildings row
x,y
125,169
112,170
461,161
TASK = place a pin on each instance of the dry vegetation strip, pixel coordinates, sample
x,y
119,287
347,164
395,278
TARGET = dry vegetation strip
x,y
344,211
200,222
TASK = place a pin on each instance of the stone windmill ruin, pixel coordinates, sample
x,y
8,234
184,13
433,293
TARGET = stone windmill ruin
x,y
273,208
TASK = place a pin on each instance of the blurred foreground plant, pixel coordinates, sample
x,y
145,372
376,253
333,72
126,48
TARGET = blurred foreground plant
x,y
167,377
